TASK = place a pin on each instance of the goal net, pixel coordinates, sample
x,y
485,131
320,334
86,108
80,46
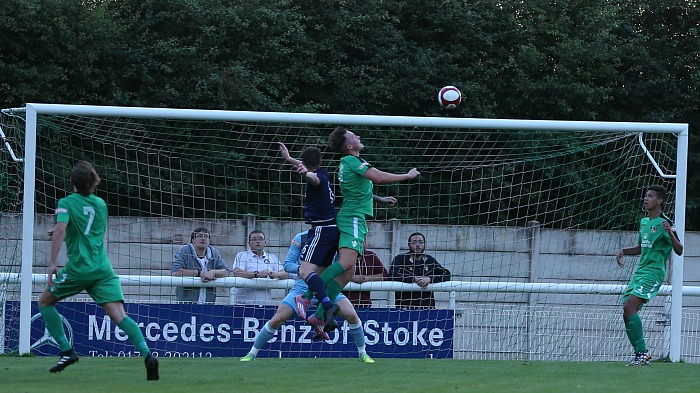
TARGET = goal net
x,y
526,215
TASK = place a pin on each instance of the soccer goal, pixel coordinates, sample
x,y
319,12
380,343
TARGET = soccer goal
x,y
527,215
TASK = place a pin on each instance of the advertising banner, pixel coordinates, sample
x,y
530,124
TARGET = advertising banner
x,y
192,330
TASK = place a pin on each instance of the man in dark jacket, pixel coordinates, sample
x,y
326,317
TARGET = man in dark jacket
x,y
417,267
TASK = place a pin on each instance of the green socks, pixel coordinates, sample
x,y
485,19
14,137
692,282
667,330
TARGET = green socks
x,y
332,289
52,320
331,273
635,333
328,276
135,336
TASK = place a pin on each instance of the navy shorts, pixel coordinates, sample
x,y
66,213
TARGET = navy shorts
x,y
321,245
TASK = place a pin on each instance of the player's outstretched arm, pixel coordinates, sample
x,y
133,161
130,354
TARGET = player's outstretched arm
x,y
299,166
389,200
285,154
381,177
308,175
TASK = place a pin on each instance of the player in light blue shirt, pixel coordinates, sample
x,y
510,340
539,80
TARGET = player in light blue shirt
x,y
288,309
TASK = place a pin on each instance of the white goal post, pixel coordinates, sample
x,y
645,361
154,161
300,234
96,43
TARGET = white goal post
x,y
516,154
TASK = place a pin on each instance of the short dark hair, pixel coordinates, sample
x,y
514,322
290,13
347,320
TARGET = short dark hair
x,y
311,157
336,140
415,234
84,178
660,191
197,230
254,232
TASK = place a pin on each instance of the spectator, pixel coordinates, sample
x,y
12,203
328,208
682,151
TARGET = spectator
x,y
198,259
417,267
257,263
367,268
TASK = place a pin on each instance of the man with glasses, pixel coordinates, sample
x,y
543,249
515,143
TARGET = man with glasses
x,y
198,259
257,263
417,267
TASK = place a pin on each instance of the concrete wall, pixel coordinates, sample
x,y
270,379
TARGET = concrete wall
x,y
145,246
488,325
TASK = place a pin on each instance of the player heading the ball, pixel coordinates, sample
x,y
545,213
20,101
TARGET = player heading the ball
x,y
356,177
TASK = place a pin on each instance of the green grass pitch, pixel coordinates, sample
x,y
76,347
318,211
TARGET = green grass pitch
x,y
30,374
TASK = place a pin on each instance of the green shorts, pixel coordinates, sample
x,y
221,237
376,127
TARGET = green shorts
x,y
644,287
101,289
353,230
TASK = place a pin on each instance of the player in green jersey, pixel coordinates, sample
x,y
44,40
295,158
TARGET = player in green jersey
x,y
657,237
356,177
81,220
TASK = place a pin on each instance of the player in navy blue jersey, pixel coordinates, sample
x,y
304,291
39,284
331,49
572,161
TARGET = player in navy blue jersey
x,y
322,239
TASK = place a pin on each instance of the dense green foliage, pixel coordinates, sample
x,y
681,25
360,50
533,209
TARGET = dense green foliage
x,y
536,59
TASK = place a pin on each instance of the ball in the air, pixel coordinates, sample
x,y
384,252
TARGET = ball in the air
x,y
449,97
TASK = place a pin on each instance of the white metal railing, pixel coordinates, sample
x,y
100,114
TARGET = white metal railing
x,y
448,286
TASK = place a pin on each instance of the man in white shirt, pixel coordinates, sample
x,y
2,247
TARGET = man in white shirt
x,y
257,263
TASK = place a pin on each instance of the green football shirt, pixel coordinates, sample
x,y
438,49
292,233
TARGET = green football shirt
x,y
86,219
355,187
656,246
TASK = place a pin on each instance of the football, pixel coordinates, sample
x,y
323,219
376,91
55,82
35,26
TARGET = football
x,y
449,97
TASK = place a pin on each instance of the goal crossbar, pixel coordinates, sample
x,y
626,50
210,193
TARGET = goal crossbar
x,y
375,120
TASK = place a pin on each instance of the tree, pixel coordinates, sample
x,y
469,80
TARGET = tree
x,y
536,59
